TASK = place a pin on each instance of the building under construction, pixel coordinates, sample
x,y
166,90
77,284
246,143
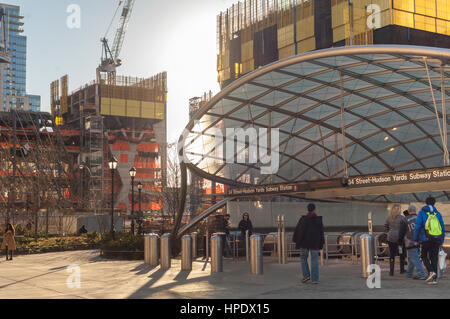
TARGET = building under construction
x,y
121,117
254,33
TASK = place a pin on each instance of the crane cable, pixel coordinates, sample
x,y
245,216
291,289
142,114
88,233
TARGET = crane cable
x,y
115,14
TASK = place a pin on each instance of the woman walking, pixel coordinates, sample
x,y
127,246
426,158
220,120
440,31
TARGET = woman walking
x,y
9,244
396,227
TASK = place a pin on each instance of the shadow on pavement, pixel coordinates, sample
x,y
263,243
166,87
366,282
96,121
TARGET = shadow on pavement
x,y
182,275
142,269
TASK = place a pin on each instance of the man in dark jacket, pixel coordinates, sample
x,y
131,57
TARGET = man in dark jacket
x,y
413,251
309,237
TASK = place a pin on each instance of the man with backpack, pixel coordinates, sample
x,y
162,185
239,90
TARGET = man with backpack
x,y
430,233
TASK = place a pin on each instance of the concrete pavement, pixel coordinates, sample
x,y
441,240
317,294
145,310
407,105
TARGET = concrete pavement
x,y
45,277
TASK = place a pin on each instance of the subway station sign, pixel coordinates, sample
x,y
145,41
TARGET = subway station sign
x,y
385,179
422,176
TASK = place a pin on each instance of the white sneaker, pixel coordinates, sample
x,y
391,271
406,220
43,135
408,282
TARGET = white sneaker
x,y
431,277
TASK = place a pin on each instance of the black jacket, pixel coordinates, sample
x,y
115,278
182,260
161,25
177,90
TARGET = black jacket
x,y
245,225
309,233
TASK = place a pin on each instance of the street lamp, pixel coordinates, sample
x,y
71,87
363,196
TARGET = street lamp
x,y
132,175
35,172
140,210
112,166
81,167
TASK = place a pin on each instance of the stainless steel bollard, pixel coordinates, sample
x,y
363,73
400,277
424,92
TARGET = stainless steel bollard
x,y
153,253
367,253
279,243
194,237
247,244
147,249
283,240
216,254
256,255
186,253
165,252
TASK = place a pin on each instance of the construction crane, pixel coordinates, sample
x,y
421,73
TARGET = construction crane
x,y
110,57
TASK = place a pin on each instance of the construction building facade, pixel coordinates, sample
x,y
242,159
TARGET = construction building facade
x,y
122,118
254,33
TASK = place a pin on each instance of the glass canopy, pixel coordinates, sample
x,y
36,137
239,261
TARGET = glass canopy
x,y
339,112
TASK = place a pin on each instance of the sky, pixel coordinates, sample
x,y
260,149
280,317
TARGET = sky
x,y
163,35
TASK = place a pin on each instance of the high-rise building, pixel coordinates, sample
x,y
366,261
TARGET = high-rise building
x,y
13,75
254,33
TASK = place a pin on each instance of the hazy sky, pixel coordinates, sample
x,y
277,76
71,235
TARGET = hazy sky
x,y
163,35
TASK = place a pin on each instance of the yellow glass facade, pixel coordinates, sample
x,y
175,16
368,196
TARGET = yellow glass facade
x,y
427,15
353,21
132,108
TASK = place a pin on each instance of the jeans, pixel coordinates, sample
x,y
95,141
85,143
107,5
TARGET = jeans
x,y
304,255
414,262
228,251
430,256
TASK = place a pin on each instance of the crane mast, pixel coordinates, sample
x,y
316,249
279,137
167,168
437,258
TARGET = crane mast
x,y
110,57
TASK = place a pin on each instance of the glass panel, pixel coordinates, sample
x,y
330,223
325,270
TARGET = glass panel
x,y
247,91
380,142
423,148
298,105
304,68
302,86
321,112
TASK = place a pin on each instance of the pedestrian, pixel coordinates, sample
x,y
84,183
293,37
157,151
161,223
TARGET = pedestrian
x,y
309,238
227,228
244,225
430,234
83,230
414,261
9,244
132,227
396,228
403,250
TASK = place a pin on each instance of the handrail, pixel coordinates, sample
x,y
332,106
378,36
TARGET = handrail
x,y
203,215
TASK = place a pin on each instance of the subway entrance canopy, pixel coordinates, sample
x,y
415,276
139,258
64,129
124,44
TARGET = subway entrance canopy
x,y
341,114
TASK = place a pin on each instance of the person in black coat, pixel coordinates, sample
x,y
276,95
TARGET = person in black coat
x,y
309,238
244,225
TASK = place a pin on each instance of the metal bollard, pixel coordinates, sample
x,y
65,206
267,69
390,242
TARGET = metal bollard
x,y
279,243
165,252
216,254
194,237
367,253
256,255
283,240
186,253
247,244
147,249
153,253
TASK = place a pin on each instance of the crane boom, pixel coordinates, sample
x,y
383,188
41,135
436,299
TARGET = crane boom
x,y
122,29
110,57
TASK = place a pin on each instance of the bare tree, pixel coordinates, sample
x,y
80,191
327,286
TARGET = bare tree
x,y
170,193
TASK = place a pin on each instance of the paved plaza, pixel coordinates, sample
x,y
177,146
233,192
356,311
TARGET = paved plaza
x,y
45,276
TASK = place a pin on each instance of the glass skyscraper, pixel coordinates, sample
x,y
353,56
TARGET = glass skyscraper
x,y
13,75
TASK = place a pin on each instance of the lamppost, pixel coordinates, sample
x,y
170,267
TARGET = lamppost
x,y
38,192
132,175
140,210
81,181
112,166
